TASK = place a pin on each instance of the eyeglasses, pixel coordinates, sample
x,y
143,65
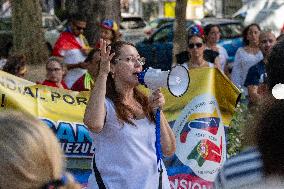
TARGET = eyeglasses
x,y
195,45
132,59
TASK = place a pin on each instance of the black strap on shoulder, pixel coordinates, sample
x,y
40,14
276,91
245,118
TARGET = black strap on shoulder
x,y
98,175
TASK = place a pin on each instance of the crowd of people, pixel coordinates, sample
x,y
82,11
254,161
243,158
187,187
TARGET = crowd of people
x,y
122,118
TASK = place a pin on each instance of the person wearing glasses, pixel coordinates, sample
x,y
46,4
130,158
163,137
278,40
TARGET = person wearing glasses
x,y
31,156
74,48
122,121
196,48
55,73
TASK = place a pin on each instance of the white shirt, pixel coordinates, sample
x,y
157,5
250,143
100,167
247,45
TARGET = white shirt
x,y
73,56
126,155
243,62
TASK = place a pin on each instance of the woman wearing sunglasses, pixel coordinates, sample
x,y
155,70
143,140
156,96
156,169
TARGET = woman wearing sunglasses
x,y
122,120
196,49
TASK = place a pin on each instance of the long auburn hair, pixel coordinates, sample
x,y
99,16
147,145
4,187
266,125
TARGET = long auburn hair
x,y
123,111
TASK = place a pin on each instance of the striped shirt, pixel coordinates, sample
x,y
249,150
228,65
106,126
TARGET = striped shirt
x,y
242,170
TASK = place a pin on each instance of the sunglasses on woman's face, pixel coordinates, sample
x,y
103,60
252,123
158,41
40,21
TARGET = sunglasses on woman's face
x,y
195,45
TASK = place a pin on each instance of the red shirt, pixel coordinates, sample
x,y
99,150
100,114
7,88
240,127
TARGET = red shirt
x,y
52,84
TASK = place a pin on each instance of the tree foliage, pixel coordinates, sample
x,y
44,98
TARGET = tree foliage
x,y
28,38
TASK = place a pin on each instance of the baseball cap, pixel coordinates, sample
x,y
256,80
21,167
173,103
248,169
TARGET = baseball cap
x,y
109,24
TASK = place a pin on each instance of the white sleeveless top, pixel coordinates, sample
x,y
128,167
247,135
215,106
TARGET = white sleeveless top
x,y
243,62
126,155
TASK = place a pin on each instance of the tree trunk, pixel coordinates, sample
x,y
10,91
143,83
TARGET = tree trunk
x,y
96,11
27,29
180,35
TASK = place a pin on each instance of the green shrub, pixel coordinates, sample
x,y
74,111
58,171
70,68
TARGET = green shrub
x,y
235,135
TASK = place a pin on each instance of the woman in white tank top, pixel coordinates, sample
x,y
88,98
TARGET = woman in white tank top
x,y
122,120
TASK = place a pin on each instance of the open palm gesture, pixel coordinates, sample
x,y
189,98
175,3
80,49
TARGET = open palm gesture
x,y
105,57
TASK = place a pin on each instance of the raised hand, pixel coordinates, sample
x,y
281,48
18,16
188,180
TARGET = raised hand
x,y
105,57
